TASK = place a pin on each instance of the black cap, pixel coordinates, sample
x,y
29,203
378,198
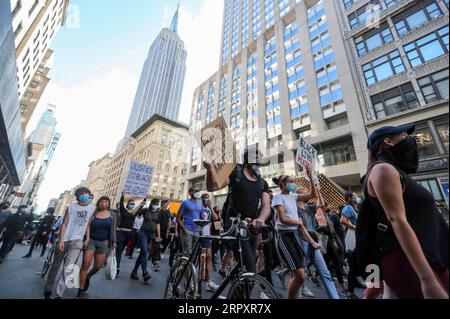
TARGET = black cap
x,y
376,137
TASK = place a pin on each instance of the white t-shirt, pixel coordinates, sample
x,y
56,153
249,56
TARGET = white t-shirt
x,y
138,221
289,203
79,217
206,216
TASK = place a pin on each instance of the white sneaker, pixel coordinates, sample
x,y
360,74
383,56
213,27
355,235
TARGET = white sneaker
x,y
212,286
305,291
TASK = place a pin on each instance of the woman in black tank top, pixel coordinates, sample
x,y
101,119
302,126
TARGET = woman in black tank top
x,y
414,251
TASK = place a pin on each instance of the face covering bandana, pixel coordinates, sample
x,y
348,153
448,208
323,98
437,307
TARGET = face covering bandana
x,y
404,155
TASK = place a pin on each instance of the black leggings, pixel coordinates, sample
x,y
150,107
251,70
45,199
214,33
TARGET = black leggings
x,y
336,258
39,238
351,277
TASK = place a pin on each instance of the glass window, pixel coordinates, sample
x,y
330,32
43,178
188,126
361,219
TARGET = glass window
x,y
383,67
435,86
336,153
395,100
432,186
364,14
427,48
442,129
425,142
418,15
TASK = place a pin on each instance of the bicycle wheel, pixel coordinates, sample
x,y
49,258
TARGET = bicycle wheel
x,y
48,261
184,273
251,286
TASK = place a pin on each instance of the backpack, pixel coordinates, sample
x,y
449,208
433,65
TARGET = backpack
x,y
371,230
228,211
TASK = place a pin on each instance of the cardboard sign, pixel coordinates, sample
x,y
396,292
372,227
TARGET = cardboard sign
x,y
219,149
306,155
138,180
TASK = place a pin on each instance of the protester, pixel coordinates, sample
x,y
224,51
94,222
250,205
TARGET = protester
x,y
189,211
73,230
164,213
28,230
414,249
216,228
101,237
287,225
5,213
42,233
125,225
14,225
138,221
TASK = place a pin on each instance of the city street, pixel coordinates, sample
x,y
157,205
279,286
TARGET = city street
x,y
19,280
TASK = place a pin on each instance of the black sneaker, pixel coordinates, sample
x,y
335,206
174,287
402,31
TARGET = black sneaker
x,y
80,294
118,271
47,294
134,275
146,276
87,283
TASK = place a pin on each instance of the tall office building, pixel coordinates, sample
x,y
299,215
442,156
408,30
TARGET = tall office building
x,y
35,23
46,127
285,74
162,79
401,61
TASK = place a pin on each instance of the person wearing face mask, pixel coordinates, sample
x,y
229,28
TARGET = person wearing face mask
x,y
43,231
287,226
14,225
125,225
248,196
189,211
149,233
5,213
414,247
71,241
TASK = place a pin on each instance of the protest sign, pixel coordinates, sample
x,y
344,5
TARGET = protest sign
x,y
138,180
219,149
306,157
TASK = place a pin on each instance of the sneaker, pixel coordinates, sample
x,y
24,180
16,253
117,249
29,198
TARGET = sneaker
x,y
282,278
80,294
146,276
307,292
47,294
212,286
118,271
134,275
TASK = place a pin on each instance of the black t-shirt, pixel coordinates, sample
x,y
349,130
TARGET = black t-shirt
x,y
16,222
338,228
164,219
47,223
150,221
246,195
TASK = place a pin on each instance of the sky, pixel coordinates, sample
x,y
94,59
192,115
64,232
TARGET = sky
x,y
99,56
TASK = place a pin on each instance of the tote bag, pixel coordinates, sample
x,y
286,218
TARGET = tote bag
x,y
350,240
111,266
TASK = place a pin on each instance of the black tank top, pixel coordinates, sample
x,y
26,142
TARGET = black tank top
x,y
425,219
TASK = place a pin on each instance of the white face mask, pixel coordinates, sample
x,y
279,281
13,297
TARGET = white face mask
x,y
155,207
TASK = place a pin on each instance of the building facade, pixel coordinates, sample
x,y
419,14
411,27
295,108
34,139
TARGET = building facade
x,y
12,152
46,127
285,74
400,57
65,199
96,178
162,79
35,23
161,143
35,89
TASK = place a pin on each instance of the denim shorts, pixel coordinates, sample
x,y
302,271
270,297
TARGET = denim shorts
x,y
98,246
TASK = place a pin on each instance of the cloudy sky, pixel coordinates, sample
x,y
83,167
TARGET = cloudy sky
x,y
98,60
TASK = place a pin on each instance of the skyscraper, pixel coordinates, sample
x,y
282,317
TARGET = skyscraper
x,y
46,127
162,79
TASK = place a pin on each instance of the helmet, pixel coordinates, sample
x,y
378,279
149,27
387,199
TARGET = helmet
x,y
81,190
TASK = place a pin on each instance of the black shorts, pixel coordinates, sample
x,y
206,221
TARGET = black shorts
x,y
290,249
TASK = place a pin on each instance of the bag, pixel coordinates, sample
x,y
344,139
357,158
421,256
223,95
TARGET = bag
x,y
350,240
111,266
218,226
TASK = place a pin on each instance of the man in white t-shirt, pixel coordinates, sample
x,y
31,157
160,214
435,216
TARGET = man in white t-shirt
x,y
71,241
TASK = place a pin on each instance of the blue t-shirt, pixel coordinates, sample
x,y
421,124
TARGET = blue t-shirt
x,y
190,210
349,212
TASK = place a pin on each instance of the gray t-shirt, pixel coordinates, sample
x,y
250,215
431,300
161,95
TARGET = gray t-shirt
x,y
289,203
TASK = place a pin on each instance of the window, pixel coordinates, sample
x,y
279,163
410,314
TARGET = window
x,y
395,100
19,6
374,39
420,14
364,14
161,154
36,2
442,129
428,47
349,3
166,179
432,186
337,122
425,142
34,84
175,170
23,108
167,167
435,86
19,28
159,165
336,153
383,67
28,95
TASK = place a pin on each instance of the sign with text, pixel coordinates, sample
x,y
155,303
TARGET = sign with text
x,y
138,180
219,149
306,155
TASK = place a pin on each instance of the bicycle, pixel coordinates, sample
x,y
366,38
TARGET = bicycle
x,y
49,258
183,280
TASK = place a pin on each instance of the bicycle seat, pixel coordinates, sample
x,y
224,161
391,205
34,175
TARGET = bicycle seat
x,y
201,222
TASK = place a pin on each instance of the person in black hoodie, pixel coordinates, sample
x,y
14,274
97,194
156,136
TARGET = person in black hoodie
x,y
125,225
42,233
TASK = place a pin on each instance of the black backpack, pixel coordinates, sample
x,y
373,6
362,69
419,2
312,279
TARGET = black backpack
x,y
371,230
228,211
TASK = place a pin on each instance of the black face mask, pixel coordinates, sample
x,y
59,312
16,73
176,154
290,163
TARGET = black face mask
x,y
404,155
255,169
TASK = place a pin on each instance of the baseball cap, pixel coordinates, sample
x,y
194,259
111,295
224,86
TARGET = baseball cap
x,y
379,134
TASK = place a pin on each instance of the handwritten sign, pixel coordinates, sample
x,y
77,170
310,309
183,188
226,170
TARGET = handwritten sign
x,y
139,179
306,154
219,149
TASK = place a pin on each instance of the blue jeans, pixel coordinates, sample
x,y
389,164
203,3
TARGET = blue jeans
x,y
322,269
143,238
